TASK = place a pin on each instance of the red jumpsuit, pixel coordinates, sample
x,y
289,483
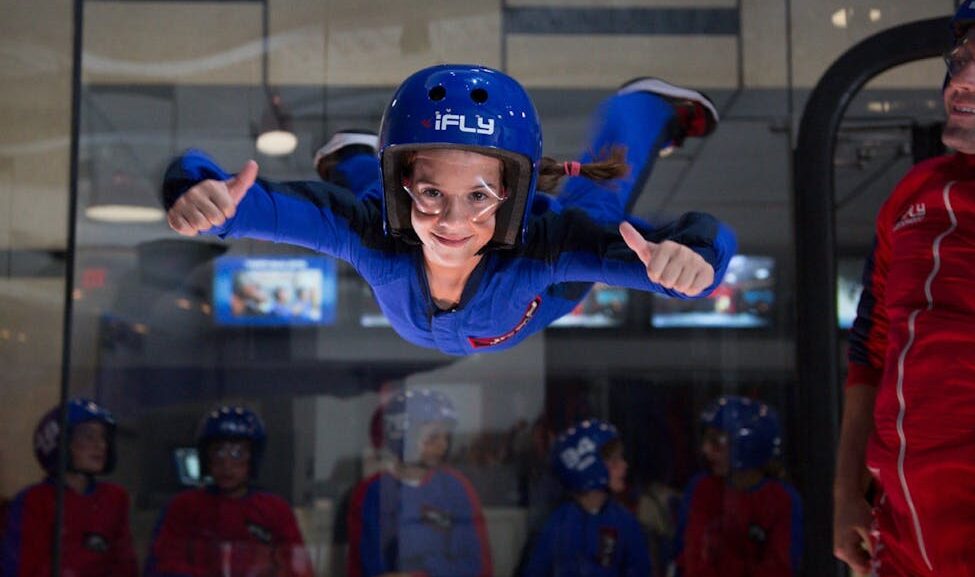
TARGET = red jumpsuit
x,y
205,534
96,542
914,337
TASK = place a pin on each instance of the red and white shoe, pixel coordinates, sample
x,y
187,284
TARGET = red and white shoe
x,y
696,115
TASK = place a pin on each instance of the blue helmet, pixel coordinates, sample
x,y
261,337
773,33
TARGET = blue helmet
x,y
405,413
467,107
232,423
752,427
48,430
963,19
577,458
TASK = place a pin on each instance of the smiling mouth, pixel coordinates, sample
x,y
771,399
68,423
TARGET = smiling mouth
x,y
451,241
963,109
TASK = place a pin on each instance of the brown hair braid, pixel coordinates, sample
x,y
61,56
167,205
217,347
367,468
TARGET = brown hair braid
x,y
609,165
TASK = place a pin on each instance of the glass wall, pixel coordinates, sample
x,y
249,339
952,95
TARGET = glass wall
x,y
35,110
887,128
232,363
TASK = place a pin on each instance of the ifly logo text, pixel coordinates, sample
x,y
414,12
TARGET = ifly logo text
x,y
445,121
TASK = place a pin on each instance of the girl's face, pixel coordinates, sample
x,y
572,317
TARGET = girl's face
x,y
434,443
89,447
617,466
716,452
456,194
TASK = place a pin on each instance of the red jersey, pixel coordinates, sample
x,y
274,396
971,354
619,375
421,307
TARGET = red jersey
x,y
203,533
913,338
729,532
97,539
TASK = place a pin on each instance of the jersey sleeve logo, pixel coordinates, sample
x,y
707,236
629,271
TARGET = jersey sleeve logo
x,y
96,542
608,538
436,518
757,534
913,215
262,534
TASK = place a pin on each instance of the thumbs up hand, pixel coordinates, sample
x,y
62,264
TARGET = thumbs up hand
x,y
670,264
211,202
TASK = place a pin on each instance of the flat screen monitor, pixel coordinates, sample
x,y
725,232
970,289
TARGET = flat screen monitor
x,y
604,307
187,463
849,285
274,291
745,299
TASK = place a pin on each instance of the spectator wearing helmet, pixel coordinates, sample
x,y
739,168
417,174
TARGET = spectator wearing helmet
x,y
909,396
228,527
349,160
739,519
461,253
96,535
591,533
419,516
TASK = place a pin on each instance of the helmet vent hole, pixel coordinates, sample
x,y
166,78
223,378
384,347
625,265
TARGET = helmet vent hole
x,y
479,95
438,93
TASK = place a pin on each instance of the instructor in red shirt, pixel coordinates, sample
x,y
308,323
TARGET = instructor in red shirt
x,y
909,414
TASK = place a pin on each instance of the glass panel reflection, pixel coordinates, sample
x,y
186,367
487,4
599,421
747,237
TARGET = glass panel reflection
x,y
351,474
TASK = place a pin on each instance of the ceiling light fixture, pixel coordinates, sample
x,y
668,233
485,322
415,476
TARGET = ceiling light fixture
x,y
124,198
274,137
840,18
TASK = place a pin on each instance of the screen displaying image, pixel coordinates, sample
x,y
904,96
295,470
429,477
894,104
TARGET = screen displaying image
x,y
604,306
187,466
745,299
274,291
849,285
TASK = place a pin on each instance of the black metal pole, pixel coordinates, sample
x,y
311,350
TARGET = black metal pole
x,y
817,338
265,48
76,49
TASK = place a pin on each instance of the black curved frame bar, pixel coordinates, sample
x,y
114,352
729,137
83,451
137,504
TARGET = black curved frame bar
x,y
816,333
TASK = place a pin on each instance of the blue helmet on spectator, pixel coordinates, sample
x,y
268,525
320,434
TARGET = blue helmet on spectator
x,y
471,108
47,434
405,414
752,428
577,455
232,423
963,19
